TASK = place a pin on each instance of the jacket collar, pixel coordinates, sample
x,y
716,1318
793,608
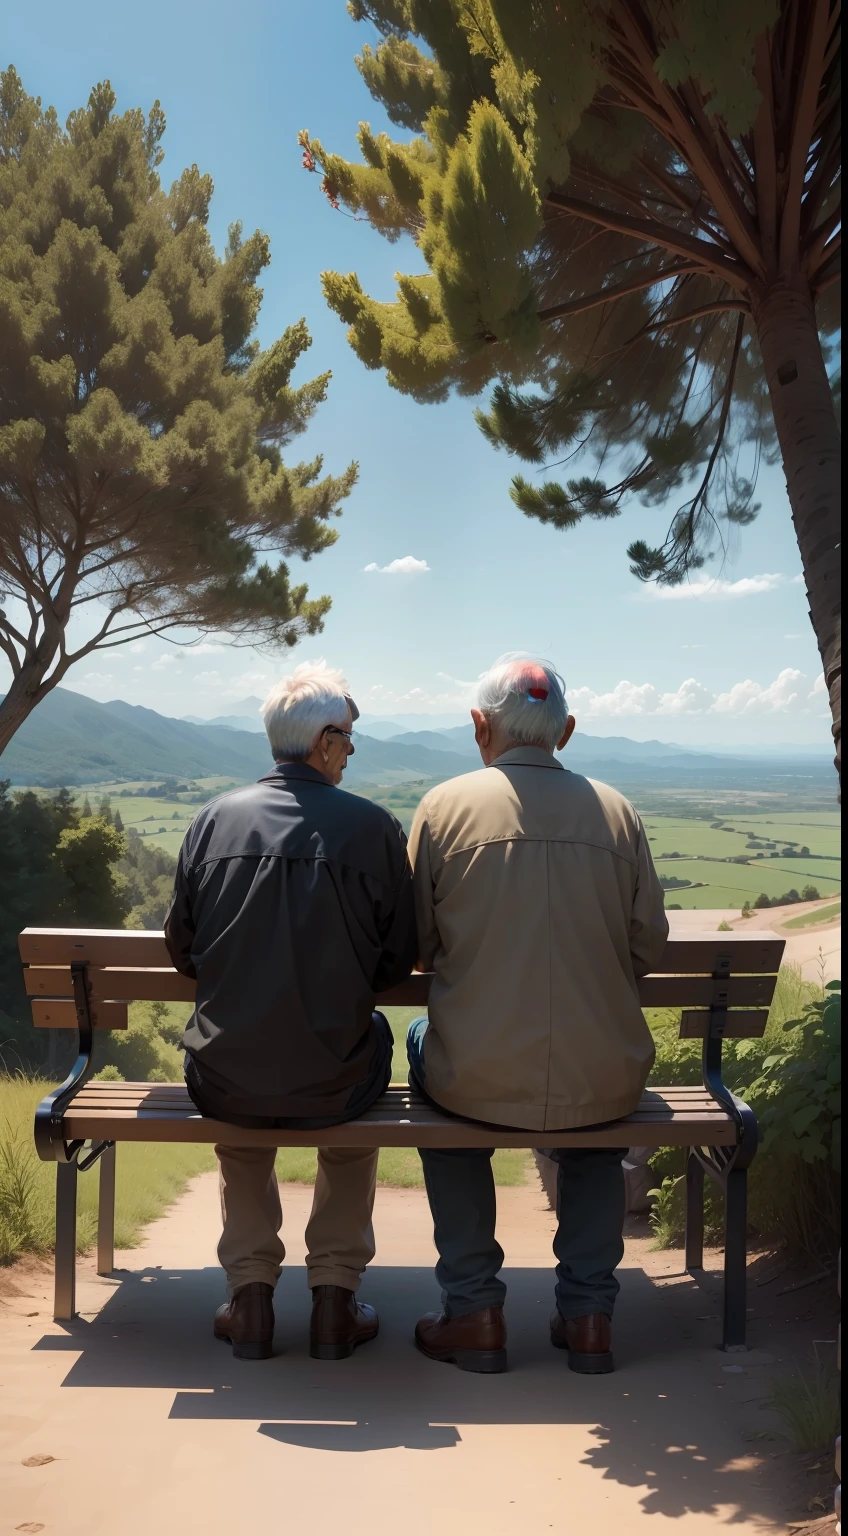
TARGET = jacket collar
x,y
527,757
300,771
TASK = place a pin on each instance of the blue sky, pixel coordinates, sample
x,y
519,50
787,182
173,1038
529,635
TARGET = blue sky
x,y
730,660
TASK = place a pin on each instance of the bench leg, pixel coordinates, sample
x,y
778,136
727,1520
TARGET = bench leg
x,y
694,1213
64,1294
106,1214
735,1258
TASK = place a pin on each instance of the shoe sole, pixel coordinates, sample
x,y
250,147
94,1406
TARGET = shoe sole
x,y
247,1351
600,1364
485,1362
339,1351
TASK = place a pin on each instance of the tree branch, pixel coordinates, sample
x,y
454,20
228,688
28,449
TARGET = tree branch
x,y
765,155
609,295
717,308
704,254
805,103
693,138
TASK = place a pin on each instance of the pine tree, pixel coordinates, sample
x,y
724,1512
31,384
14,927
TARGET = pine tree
x,y
86,807
118,822
105,810
141,427
629,217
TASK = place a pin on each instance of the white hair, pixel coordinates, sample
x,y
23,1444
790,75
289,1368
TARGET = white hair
x,y
525,699
302,705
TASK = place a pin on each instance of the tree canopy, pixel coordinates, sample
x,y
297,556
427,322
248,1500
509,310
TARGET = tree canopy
x,y
141,425
629,218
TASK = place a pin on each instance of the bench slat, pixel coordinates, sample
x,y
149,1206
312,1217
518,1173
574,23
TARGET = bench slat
x,y
743,1024
163,1112
62,1014
157,984
693,954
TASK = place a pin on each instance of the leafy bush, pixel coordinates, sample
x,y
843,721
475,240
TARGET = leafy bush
x,y
791,1078
798,1101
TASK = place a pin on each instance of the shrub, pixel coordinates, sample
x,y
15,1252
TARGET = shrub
x,y
791,1078
798,1100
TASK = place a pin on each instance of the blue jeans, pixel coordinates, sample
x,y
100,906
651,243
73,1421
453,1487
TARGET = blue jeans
x,y
588,1244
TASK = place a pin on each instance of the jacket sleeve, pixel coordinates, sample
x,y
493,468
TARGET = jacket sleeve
x,y
397,929
179,924
648,920
424,859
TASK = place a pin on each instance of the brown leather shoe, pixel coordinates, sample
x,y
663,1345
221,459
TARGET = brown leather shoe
x,y
339,1323
475,1342
247,1322
587,1340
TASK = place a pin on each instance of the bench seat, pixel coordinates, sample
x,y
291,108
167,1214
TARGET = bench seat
x,y
86,980
678,1117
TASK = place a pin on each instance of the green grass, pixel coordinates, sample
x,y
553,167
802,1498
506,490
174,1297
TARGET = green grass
x,y
149,1178
398,1167
808,1403
820,915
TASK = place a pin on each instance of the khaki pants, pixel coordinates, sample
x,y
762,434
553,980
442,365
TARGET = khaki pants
x,y
339,1234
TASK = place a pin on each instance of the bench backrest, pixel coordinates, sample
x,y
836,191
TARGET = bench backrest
x,y
699,973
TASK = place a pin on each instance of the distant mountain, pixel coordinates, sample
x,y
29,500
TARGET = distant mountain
x,y
71,739
376,724
244,716
460,739
581,749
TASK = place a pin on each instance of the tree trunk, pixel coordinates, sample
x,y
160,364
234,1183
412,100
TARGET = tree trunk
x,y
25,692
810,444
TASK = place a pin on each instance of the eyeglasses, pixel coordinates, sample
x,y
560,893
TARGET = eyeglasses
x,y
336,730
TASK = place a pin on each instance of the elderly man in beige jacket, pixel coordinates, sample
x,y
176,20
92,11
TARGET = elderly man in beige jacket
x,y
538,906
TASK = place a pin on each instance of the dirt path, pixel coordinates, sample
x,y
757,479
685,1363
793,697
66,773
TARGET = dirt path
x,y
151,1426
817,950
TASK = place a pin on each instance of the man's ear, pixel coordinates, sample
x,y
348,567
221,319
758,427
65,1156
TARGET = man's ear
x,y
482,728
567,733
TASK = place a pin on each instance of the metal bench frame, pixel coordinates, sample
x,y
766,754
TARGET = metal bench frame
x,y
726,1165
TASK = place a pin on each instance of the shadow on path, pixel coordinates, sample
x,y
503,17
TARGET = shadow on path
x,y
669,1422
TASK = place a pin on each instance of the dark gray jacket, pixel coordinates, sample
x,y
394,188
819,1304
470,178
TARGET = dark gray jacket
x,y
292,907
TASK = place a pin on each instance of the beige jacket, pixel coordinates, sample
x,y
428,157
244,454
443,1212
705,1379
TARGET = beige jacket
x,y
537,905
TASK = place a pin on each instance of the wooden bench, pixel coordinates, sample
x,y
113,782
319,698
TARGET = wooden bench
x,y
722,982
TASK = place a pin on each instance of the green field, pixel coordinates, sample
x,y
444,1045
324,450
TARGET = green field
x,y
704,846
703,840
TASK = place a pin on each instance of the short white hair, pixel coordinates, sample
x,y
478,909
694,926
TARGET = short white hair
x,y
302,705
524,697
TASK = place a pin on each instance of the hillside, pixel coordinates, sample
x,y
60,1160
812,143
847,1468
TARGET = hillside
x,y
71,739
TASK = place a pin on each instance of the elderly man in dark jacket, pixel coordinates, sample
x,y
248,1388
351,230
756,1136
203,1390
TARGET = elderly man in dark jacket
x,y
292,908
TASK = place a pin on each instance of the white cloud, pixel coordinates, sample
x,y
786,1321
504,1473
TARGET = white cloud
x,y
793,637
97,679
248,682
137,648
714,589
206,679
207,648
407,565
819,686
383,701
163,663
789,693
